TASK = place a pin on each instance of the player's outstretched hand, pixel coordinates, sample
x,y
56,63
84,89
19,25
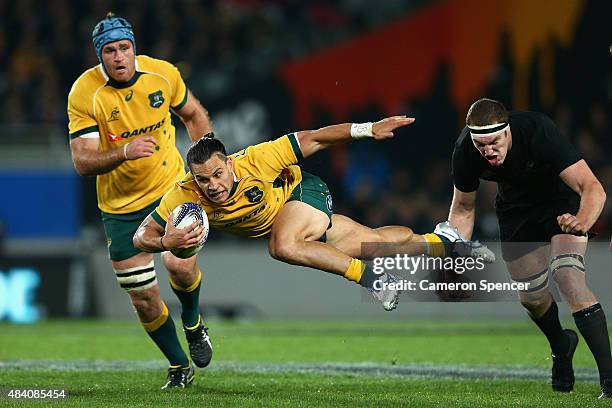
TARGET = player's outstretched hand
x,y
383,129
140,147
571,225
182,237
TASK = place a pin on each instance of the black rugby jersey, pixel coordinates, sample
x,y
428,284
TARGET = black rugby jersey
x,y
530,173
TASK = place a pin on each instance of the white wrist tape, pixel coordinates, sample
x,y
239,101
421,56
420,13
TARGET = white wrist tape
x,y
361,130
125,151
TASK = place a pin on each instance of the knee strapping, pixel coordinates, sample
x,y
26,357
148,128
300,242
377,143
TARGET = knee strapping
x,y
535,282
575,261
137,278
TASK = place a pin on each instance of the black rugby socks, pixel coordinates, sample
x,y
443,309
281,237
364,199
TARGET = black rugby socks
x,y
592,325
551,327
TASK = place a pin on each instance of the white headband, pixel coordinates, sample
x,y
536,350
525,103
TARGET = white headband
x,y
488,130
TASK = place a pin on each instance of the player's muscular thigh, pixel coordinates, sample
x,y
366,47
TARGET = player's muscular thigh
x,y
137,260
348,235
529,264
296,222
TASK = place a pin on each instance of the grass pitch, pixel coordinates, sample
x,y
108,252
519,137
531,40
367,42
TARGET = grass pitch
x,y
297,363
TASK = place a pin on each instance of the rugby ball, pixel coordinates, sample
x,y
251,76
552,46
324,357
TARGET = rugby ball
x,y
183,216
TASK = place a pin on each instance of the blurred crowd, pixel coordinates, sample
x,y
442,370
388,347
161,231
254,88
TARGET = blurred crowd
x,y
379,193
45,45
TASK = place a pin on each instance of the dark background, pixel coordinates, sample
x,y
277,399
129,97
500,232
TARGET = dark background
x,y
263,68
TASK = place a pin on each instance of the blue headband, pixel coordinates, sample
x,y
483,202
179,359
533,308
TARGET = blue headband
x,y
109,30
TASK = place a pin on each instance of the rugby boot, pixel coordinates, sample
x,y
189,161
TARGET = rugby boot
x,y
179,377
200,347
606,388
385,295
461,247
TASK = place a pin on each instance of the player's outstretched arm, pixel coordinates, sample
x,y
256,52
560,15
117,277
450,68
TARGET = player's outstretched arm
x,y
89,160
152,237
195,117
581,179
311,141
458,230
462,212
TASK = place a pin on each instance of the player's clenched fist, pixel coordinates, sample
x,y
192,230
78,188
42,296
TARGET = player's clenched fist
x,y
571,225
143,146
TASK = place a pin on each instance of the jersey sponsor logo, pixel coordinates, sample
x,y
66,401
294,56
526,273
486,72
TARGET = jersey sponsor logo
x,y
254,194
113,137
217,215
114,115
143,130
156,99
329,202
246,217
128,97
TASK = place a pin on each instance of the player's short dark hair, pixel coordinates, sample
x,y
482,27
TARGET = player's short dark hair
x,y
486,112
203,149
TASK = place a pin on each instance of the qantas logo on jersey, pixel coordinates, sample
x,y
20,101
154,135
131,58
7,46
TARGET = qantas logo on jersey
x,y
144,130
246,217
113,137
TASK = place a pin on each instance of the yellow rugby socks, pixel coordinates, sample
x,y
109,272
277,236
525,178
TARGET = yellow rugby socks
x,y
358,272
436,245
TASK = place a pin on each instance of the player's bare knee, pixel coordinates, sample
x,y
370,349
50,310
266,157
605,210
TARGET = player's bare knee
x,y
578,296
142,303
181,271
283,250
537,302
571,287
570,278
145,301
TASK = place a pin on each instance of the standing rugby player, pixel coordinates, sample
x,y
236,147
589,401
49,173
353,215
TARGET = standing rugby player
x,y
547,200
121,131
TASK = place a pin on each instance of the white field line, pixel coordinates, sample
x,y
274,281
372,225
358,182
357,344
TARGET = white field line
x,y
357,369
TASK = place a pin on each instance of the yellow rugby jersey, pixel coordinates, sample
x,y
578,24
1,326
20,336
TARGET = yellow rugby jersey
x,y
117,113
258,193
